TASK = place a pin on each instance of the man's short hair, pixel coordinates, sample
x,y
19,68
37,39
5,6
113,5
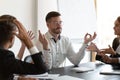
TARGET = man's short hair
x,y
52,14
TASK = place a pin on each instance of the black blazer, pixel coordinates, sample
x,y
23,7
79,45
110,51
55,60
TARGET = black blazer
x,y
9,65
115,44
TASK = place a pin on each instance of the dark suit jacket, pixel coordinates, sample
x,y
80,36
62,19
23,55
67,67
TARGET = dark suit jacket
x,y
115,44
9,65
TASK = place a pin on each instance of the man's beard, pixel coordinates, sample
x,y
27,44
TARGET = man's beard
x,y
57,31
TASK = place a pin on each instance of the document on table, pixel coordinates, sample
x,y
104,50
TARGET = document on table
x,y
44,76
66,77
82,69
110,72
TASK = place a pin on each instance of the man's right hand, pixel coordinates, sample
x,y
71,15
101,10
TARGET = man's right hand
x,y
43,40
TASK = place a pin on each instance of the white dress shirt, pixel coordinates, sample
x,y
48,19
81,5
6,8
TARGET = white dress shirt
x,y
60,50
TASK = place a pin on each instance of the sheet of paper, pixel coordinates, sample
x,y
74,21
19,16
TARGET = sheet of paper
x,y
66,77
110,72
44,76
82,69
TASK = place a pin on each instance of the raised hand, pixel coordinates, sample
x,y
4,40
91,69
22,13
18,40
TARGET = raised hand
x,y
31,35
109,50
93,47
89,37
43,40
23,35
22,49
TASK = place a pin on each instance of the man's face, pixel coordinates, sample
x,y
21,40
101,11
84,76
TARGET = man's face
x,y
55,25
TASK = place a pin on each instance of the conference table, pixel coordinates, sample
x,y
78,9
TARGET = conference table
x,y
87,75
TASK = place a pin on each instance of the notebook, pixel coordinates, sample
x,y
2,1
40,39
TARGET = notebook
x,y
84,67
45,76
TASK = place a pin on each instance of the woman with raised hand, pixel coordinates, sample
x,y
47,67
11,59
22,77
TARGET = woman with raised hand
x,y
9,28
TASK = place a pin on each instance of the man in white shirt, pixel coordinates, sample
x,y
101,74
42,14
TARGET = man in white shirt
x,y
60,47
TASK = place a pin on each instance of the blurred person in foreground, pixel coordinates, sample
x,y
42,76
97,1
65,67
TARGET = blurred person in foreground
x,y
9,28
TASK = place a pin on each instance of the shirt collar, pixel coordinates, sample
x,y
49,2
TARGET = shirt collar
x,y
51,37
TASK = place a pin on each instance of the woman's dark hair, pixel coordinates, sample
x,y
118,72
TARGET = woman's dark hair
x,y
118,19
52,14
7,26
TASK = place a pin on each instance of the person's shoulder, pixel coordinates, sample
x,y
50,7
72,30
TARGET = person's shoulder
x,y
5,51
116,39
6,54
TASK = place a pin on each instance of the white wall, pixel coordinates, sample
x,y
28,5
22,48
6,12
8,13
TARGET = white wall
x,y
24,10
106,16
27,12
79,17
32,14
45,6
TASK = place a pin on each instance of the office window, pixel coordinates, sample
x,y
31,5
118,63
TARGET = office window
x,y
79,18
